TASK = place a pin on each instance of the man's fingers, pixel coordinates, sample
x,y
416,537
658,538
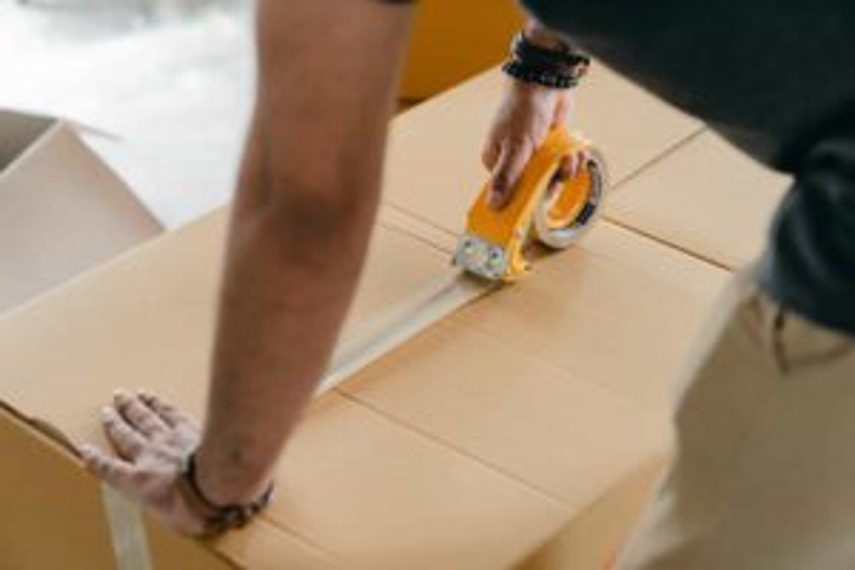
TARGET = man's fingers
x,y
491,152
512,162
573,164
138,415
569,166
114,471
167,412
127,441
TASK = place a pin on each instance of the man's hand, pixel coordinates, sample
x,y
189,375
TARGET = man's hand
x,y
152,439
525,117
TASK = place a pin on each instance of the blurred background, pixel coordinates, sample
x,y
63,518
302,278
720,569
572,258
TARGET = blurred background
x,y
163,88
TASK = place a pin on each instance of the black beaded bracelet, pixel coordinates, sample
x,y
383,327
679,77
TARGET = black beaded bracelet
x,y
531,54
552,68
539,76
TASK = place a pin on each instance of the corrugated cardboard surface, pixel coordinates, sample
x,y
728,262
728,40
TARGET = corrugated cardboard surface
x,y
705,198
469,446
62,211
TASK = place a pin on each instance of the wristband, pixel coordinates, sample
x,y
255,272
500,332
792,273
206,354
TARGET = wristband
x,y
553,68
565,58
539,76
216,518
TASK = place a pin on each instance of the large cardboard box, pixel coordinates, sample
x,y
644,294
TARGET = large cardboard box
x,y
468,447
62,211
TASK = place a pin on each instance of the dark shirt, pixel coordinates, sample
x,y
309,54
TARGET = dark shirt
x,y
777,79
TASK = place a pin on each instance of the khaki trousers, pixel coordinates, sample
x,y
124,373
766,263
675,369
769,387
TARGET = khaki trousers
x,y
764,470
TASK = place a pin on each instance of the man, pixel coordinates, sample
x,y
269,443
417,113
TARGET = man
x,y
765,463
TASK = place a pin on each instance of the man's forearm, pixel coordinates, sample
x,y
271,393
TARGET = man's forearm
x,y
286,289
309,190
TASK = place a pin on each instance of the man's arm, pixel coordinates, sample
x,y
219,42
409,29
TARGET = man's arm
x,y
309,192
309,189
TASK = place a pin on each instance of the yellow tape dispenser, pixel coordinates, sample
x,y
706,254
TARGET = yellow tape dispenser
x,y
556,213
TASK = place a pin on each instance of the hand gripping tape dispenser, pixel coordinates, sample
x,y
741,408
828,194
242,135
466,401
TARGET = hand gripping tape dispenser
x,y
555,213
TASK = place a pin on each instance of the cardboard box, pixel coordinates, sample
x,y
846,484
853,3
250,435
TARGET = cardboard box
x,y
62,211
468,447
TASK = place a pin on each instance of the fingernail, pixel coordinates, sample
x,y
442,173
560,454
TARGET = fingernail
x,y
121,394
107,412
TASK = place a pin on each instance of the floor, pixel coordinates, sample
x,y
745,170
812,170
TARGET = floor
x,y
166,88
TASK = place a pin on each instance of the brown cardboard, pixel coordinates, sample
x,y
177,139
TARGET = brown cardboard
x,y
62,211
705,198
468,447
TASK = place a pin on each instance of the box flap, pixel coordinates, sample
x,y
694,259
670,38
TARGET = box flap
x,y
62,212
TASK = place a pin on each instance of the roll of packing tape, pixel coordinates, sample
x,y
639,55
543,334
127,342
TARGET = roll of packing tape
x,y
563,218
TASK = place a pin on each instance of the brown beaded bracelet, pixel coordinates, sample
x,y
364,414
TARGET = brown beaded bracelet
x,y
217,518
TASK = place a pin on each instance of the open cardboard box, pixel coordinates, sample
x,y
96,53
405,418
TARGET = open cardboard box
x,y
62,211
471,446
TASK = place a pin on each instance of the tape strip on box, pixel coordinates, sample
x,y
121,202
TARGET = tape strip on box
x,y
127,532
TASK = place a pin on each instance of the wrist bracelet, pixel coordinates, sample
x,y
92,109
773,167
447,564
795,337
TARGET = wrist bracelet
x,y
217,518
552,68
529,53
536,76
